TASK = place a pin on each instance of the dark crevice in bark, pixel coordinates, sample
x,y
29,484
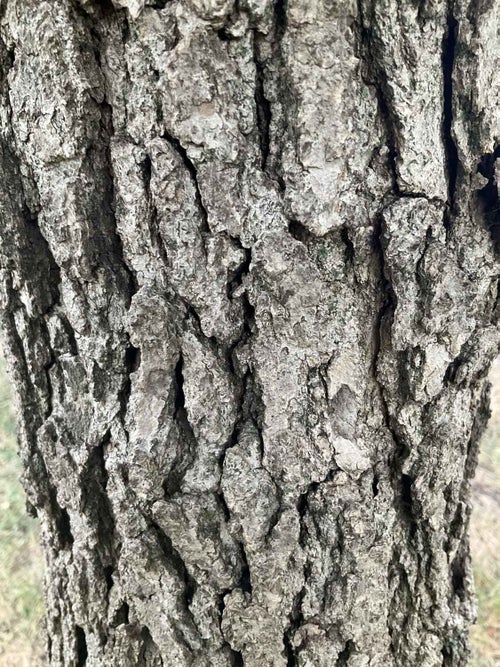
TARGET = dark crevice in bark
x,y
245,582
302,509
447,657
97,507
280,18
50,390
39,248
104,7
402,598
377,77
345,654
121,617
149,653
132,361
420,273
63,526
108,577
115,242
300,232
180,399
262,104
235,657
159,4
132,358
458,372
349,246
386,310
458,577
186,452
451,153
194,319
296,616
452,370
153,224
401,482
488,196
146,167
296,621
181,151
270,70
290,654
226,33
389,123
406,504
245,413
107,238
81,646
174,558
236,279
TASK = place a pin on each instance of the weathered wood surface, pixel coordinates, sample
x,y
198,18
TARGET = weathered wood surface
x,y
249,300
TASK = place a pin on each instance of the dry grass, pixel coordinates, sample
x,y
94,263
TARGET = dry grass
x,y
21,605
485,539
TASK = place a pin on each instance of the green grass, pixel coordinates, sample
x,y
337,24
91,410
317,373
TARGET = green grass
x,y
21,562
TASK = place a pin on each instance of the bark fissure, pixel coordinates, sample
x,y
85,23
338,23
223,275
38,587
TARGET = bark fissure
x,y
262,104
173,481
175,560
488,196
451,152
131,362
96,504
272,72
188,163
343,657
81,646
376,77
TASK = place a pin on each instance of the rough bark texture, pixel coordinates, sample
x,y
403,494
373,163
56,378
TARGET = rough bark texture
x,y
249,296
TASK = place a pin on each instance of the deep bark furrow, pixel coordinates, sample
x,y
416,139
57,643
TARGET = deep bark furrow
x,y
176,144
262,105
449,46
378,78
488,195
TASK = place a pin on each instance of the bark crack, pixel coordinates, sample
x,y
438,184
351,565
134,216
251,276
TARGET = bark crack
x,y
451,152
81,646
262,104
377,78
488,196
182,152
186,455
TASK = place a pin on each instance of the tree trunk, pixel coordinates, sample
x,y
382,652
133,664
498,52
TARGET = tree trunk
x,y
249,300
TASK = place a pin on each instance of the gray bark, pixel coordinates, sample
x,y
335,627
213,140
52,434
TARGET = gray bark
x,y
249,299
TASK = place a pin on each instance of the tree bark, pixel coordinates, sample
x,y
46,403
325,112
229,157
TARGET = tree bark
x,y
249,302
